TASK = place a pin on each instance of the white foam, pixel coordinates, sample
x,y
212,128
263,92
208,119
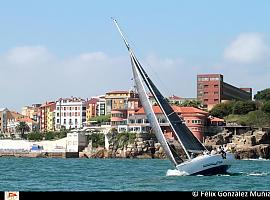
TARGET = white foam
x,y
257,174
175,172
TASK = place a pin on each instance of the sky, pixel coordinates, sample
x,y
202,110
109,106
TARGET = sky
x,y
51,49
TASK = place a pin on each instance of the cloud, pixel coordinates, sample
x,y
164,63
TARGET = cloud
x,y
25,55
247,48
32,74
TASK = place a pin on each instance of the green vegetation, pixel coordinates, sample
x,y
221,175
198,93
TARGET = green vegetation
x,y
221,110
37,136
255,118
263,95
101,119
22,127
51,135
189,103
266,107
98,139
233,108
248,113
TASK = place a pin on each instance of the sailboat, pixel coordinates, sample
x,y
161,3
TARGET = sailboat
x,y
204,163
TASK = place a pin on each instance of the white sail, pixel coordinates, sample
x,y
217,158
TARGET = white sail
x,y
149,110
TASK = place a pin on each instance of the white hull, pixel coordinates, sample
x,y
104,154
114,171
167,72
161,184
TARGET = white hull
x,y
206,164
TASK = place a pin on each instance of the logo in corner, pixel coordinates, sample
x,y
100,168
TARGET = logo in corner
x,y
11,195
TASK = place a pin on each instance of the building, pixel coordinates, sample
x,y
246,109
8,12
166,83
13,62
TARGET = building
x,y
76,142
31,111
70,113
91,108
118,100
101,105
3,120
196,120
46,116
121,104
96,106
212,90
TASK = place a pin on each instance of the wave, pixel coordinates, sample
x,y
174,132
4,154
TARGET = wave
x,y
258,174
257,159
175,172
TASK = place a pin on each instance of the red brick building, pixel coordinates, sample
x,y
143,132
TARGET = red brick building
x,y
211,90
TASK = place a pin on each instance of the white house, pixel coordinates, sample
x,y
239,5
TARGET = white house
x,y
70,113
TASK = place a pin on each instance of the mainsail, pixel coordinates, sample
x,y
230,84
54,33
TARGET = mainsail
x,y
181,132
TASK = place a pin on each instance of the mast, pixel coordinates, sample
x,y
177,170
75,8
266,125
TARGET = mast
x,y
184,136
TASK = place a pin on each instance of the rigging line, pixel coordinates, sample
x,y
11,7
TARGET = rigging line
x,y
158,79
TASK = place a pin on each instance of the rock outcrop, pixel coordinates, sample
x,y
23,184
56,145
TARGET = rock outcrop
x,y
252,144
144,146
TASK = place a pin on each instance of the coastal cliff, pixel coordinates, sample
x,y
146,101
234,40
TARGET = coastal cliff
x,y
250,145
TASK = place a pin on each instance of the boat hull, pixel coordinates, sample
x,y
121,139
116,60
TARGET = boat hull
x,y
207,165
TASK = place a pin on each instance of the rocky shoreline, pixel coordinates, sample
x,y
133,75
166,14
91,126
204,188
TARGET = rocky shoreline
x,y
250,145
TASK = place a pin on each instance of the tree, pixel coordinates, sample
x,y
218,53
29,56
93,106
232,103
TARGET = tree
x,y
22,127
192,103
243,107
266,107
35,136
101,118
263,95
222,109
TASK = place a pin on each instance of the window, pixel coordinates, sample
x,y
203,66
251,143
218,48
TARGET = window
x,y
70,121
205,93
57,108
64,114
215,86
215,100
75,108
214,79
65,121
205,100
65,108
206,86
58,121
57,114
215,92
76,121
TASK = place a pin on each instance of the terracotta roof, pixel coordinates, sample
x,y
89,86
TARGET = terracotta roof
x,y
178,109
118,92
174,97
92,101
216,119
25,119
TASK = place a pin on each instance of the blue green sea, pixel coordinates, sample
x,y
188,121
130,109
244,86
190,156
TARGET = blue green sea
x,y
51,174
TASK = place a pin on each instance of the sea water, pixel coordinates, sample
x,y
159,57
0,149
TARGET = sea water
x,y
52,174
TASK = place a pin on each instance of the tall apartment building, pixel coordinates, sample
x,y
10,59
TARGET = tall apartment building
x,y
46,116
70,113
211,90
